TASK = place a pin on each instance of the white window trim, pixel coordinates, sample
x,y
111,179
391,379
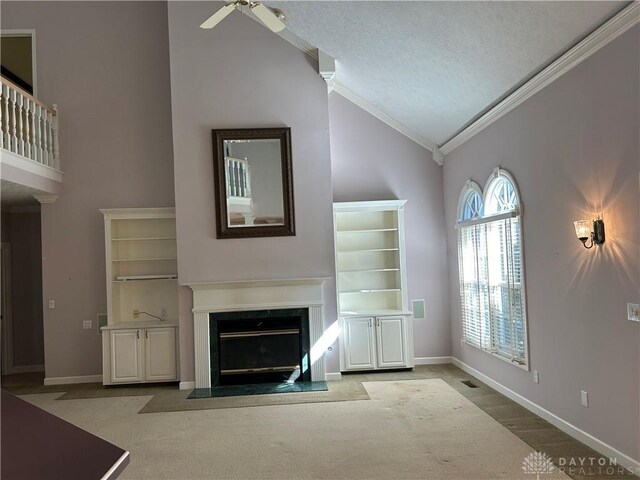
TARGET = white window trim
x,y
469,187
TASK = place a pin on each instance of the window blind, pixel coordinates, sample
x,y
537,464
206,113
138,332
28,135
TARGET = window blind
x,y
491,286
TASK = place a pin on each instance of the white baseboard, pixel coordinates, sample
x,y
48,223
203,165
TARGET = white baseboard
x,y
70,380
332,376
187,385
26,369
589,440
431,360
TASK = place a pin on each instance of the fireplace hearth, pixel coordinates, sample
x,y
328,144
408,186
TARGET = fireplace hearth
x,y
259,347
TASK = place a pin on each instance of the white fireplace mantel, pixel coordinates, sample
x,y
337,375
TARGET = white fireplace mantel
x,y
236,296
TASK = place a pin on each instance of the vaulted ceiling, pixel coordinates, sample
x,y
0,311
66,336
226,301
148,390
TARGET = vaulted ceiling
x,y
435,66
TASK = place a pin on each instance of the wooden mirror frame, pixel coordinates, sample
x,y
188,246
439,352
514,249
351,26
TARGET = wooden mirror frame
x,y
222,222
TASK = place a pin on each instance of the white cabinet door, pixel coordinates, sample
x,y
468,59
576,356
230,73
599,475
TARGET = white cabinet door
x,y
391,342
358,341
160,354
126,356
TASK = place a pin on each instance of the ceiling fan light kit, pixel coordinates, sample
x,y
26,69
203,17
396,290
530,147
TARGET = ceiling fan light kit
x,y
273,18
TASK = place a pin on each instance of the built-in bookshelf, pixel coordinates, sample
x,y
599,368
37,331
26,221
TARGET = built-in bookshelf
x,y
369,257
140,340
375,324
141,263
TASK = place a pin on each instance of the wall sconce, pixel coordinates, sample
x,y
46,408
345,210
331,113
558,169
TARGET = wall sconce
x,y
590,230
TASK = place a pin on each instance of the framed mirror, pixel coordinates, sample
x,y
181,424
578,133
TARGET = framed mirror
x,y
253,182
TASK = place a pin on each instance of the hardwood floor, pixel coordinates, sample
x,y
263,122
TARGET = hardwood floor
x,y
533,430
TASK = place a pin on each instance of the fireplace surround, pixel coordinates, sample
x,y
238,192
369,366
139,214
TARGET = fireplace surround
x,y
247,296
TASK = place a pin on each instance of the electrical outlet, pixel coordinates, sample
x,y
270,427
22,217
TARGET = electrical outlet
x,y
584,396
633,312
52,304
87,324
536,377
136,313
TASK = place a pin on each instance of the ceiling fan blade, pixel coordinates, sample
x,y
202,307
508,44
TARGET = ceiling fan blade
x,y
217,17
267,17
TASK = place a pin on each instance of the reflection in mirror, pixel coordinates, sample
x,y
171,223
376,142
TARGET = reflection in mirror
x,y
253,182
253,174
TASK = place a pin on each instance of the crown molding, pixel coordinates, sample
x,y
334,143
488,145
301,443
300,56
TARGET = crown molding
x,y
312,52
605,34
383,117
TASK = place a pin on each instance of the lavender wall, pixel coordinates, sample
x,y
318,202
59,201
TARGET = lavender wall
x,y
106,65
371,161
573,148
241,75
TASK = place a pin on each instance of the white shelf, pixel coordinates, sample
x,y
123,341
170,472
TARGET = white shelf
x,y
146,278
143,259
371,290
369,270
140,239
369,230
394,249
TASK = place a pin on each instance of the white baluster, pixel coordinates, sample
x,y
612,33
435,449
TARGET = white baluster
x,y
56,142
40,150
5,94
14,138
27,137
45,137
34,139
248,181
20,146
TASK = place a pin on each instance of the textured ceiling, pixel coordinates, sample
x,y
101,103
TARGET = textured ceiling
x,y
434,66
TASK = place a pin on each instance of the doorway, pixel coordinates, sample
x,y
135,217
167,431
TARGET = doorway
x,y
18,58
22,326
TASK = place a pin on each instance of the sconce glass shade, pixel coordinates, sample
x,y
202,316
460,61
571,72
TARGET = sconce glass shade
x,y
583,229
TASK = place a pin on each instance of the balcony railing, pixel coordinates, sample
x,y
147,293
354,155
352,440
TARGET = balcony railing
x,y
28,127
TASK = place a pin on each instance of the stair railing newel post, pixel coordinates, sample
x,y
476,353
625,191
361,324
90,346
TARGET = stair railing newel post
x,y
56,142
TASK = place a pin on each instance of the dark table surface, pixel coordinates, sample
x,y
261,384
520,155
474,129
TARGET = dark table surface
x,y
37,445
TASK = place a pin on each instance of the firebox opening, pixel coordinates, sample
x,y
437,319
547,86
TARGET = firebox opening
x,y
266,346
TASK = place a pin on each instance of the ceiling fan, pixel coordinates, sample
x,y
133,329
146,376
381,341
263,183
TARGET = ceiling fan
x,y
271,17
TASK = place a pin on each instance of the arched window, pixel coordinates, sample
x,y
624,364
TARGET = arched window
x,y
491,268
470,204
501,194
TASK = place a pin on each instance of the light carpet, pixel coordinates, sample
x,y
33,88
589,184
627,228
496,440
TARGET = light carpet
x,y
408,429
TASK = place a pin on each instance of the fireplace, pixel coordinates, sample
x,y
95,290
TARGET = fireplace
x,y
238,297
259,346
